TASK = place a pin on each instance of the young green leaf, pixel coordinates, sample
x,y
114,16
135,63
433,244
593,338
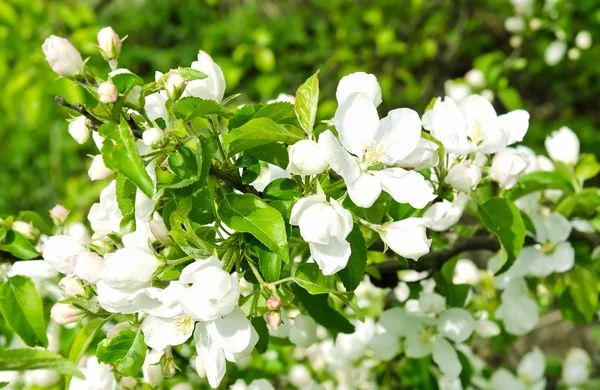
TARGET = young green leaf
x,y
190,74
17,245
307,100
22,309
501,217
122,155
260,325
587,167
280,112
269,264
353,273
312,280
83,340
583,286
189,108
249,214
23,359
257,132
540,181
125,352
317,306
125,81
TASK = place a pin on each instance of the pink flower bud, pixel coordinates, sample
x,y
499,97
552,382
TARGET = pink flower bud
x,y
107,92
63,57
109,43
65,313
128,382
175,85
273,303
274,319
26,229
71,286
59,213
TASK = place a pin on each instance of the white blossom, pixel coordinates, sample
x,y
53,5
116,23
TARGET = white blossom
x,y
213,86
61,252
62,56
79,130
306,158
518,311
563,146
507,166
98,170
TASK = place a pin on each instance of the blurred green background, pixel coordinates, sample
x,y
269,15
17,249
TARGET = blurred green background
x,y
269,47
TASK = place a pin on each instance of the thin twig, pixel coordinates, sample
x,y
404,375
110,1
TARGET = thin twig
x,y
95,123
234,181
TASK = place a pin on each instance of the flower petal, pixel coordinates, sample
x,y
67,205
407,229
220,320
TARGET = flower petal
x,y
364,191
331,257
339,159
456,324
303,204
210,355
516,124
398,134
446,358
232,332
406,186
359,82
162,332
356,121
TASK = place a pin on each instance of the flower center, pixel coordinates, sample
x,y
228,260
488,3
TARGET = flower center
x,y
372,156
549,248
183,324
477,133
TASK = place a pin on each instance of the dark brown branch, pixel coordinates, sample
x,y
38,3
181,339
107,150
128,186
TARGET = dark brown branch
x,y
233,181
94,123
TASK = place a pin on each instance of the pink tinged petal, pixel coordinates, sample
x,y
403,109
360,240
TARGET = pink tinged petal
x,y
456,324
232,333
359,82
398,134
339,159
331,257
446,358
364,191
210,354
303,204
516,124
406,186
356,121
162,332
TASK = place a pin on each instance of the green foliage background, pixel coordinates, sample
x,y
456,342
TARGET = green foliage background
x,y
269,47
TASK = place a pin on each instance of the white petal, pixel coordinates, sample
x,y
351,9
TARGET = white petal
x,y
339,159
211,356
364,191
408,237
446,358
406,186
516,124
356,121
532,366
537,263
487,328
303,204
359,82
232,332
331,257
563,145
456,324
398,134
557,228
385,346
563,257
503,379
345,221
417,347
161,332
424,156
317,222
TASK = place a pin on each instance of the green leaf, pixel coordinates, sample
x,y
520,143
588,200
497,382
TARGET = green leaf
x,y
583,286
540,181
125,81
17,245
122,155
269,264
354,272
317,306
281,189
274,153
279,112
125,352
183,232
22,309
249,214
502,218
587,167
352,302
244,114
23,359
189,108
510,98
251,167
42,224
309,277
190,74
257,132
125,192
260,325
83,340
307,100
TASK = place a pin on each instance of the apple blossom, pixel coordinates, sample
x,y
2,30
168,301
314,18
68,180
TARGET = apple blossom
x,y
107,92
175,85
306,158
62,56
273,303
507,166
445,214
105,217
576,368
59,214
98,170
408,237
129,268
367,143
79,130
97,376
154,137
304,331
61,252
325,227
464,176
134,98
530,372
88,266
583,40
26,229
518,311
563,146
274,320
71,286
555,52
65,313
109,43
213,86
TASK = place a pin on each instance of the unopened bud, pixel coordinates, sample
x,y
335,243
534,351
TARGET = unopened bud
x,y
128,383
107,92
175,85
65,313
79,130
88,266
26,229
109,43
154,137
273,303
274,319
98,170
63,57
71,286
158,229
59,214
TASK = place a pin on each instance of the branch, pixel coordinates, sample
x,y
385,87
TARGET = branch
x,y
234,181
95,123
